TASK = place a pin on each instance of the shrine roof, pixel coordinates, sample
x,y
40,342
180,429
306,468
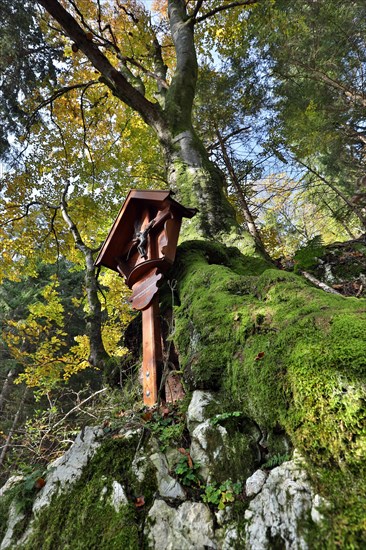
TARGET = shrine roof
x,y
123,228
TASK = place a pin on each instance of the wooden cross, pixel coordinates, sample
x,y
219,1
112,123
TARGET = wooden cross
x,y
141,247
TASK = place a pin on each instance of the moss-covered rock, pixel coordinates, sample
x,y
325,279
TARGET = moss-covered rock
x,y
289,356
99,509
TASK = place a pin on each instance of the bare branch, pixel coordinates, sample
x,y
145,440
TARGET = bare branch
x,y
79,243
86,145
103,41
161,81
128,13
348,92
27,209
60,131
53,232
249,220
319,284
77,407
340,194
226,138
13,427
58,93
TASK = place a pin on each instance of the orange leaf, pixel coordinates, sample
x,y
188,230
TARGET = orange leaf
x,y
140,501
260,356
39,483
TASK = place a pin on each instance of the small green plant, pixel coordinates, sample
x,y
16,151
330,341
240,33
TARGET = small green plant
x,y
307,256
224,416
276,460
187,471
167,428
221,495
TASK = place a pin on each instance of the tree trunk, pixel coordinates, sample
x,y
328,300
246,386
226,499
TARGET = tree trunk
x,y
98,354
249,220
6,389
199,183
13,428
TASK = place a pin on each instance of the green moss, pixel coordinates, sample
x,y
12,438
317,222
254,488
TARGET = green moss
x,y
288,355
307,256
84,517
5,503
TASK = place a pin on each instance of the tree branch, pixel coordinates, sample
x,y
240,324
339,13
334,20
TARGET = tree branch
x,y
336,190
79,243
180,96
113,78
58,93
86,145
319,284
27,207
346,91
197,9
224,139
249,220
222,8
13,427
76,407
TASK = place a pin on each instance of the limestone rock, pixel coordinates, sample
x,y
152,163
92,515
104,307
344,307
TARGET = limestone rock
x,y
223,517
231,538
196,413
118,496
11,482
14,518
319,504
187,527
208,446
68,468
168,487
274,515
172,456
139,466
255,482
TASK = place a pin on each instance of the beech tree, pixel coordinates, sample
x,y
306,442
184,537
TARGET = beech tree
x,y
189,170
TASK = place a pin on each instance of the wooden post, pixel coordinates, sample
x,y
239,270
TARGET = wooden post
x,y
152,363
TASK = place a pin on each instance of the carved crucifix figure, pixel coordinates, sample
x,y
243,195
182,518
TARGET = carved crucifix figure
x,y
141,239
141,247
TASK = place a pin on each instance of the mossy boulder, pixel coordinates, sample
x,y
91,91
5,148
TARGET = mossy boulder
x,y
287,355
98,507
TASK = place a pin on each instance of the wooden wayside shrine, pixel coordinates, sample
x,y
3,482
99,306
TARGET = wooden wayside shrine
x,y
141,247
